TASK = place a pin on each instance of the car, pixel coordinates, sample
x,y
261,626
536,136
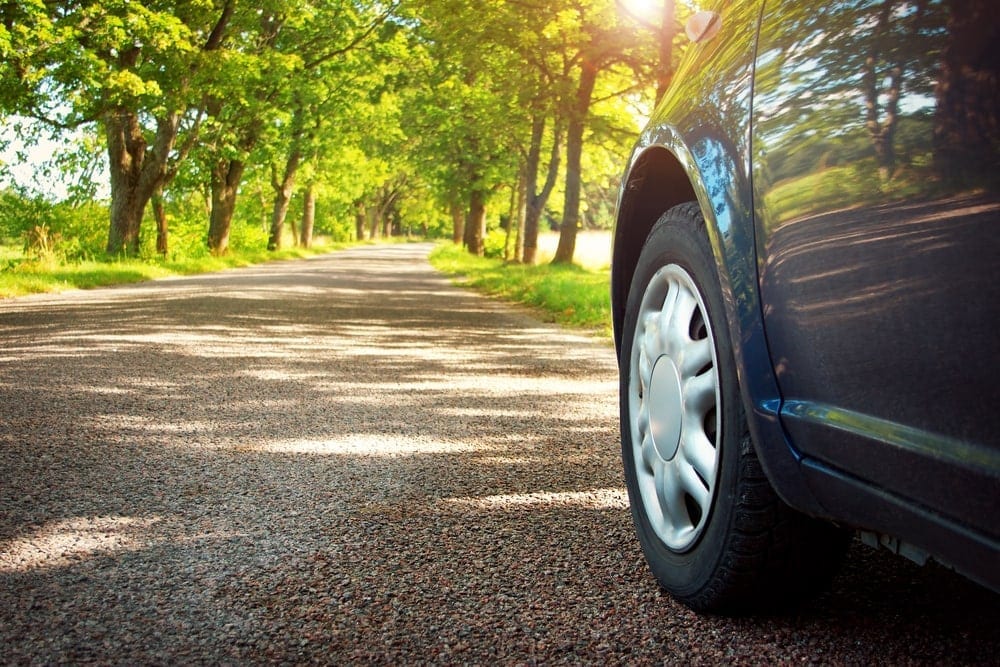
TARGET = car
x,y
806,299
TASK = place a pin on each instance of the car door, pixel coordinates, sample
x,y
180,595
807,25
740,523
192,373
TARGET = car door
x,y
877,214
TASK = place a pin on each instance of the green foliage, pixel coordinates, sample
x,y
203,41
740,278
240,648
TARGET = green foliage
x,y
493,244
55,230
858,183
400,111
564,293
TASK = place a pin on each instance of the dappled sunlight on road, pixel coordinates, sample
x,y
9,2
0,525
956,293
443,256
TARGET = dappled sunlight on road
x,y
66,542
366,445
302,467
593,499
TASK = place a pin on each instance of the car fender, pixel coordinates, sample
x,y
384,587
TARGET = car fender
x,y
668,167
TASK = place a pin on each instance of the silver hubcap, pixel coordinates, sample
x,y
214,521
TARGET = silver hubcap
x,y
673,408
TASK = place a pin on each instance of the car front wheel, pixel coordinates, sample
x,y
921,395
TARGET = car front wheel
x,y
713,531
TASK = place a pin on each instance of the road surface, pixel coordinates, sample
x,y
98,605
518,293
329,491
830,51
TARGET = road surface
x,y
348,460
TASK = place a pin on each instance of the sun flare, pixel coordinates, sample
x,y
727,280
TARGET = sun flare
x,y
644,10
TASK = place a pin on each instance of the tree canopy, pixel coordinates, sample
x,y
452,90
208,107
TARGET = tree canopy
x,y
450,117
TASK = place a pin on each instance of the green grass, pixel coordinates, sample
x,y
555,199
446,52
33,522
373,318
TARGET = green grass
x,y
566,294
833,188
20,276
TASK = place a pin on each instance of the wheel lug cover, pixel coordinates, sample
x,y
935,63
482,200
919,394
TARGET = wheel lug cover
x,y
665,407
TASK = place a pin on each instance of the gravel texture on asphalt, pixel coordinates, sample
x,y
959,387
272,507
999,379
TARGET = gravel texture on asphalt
x,y
348,460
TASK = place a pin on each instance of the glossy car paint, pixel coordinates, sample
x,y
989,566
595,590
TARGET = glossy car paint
x,y
873,394
698,147
877,250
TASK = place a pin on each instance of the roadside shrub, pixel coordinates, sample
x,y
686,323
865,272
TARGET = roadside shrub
x,y
40,242
61,230
493,244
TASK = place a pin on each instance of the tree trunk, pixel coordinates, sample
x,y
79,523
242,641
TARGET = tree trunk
x,y
126,152
475,223
536,200
308,216
135,172
373,223
126,216
522,203
359,220
966,118
512,215
265,224
295,232
882,130
226,177
574,153
283,190
457,222
162,239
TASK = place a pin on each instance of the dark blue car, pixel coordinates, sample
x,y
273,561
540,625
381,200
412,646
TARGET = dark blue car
x,y
806,298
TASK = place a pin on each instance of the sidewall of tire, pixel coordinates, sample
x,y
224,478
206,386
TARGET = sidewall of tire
x,y
679,238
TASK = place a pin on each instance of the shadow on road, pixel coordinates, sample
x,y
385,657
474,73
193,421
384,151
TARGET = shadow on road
x,y
347,459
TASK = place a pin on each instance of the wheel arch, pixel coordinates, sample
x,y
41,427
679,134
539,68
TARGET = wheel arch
x,y
656,182
662,174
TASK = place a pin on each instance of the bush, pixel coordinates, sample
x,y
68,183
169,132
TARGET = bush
x,y
493,244
40,242
54,229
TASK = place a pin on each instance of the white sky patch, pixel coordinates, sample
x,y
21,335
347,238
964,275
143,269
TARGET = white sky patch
x,y
25,163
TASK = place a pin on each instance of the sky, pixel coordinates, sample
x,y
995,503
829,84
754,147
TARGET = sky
x,y
24,163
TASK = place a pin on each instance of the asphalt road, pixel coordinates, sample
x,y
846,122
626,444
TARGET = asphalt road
x,y
348,460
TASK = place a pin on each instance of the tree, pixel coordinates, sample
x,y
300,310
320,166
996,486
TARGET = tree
x,y
604,43
346,51
126,67
465,115
966,126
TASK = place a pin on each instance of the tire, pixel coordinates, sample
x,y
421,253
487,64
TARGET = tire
x,y
714,532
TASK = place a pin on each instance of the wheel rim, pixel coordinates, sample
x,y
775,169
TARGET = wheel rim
x,y
674,408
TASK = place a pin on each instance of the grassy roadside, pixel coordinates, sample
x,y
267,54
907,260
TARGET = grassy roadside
x,y
33,276
565,294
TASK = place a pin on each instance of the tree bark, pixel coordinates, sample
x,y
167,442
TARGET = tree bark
x,y
966,118
457,222
308,216
373,223
475,222
283,190
295,232
162,238
126,152
136,173
536,200
522,205
882,130
574,153
512,215
359,220
226,177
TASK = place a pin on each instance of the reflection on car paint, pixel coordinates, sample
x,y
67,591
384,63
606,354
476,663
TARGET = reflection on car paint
x,y
876,212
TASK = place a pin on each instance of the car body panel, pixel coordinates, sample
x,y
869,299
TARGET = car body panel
x,y
698,147
876,269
